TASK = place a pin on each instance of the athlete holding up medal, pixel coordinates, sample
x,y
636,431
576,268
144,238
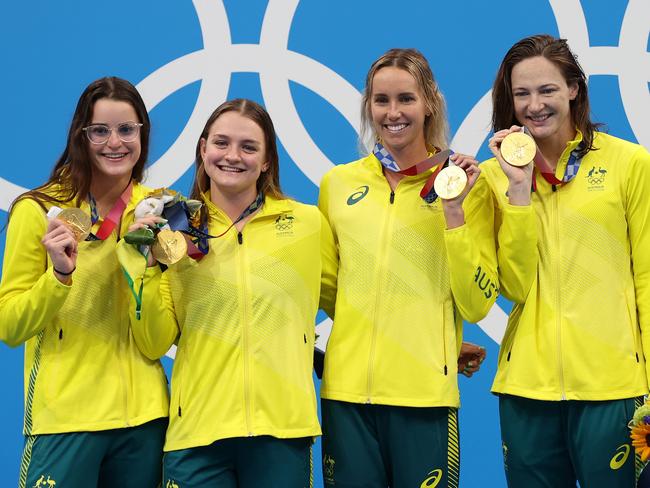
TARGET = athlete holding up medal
x,y
572,363
95,406
417,255
243,410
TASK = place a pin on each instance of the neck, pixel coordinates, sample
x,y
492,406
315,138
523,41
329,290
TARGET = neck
x,y
232,204
553,147
408,156
106,191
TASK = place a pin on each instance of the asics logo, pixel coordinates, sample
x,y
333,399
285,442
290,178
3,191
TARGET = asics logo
x,y
622,453
433,479
358,195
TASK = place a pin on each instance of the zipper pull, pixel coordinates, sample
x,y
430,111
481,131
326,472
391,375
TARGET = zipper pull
x,y
240,238
61,337
392,197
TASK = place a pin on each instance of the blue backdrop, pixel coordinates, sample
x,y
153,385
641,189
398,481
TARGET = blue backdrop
x,y
306,62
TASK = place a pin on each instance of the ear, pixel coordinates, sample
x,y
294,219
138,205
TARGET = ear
x,y
573,91
265,167
202,143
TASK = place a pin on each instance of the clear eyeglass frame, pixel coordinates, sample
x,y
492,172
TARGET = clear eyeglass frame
x,y
132,132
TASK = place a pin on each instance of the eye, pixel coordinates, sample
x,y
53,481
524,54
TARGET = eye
x,y
127,130
519,94
249,148
547,91
98,130
407,98
380,99
220,143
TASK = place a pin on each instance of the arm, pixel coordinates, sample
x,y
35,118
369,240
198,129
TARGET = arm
x,y
637,207
155,327
329,253
30,292
471,251
517,234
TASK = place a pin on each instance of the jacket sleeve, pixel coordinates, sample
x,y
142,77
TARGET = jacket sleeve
x,y
30,294
471,255
517,251
329,251
637,207
153,322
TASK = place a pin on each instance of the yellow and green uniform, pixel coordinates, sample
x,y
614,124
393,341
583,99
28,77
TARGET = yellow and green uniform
x,y
405,284
582,333
244,317
83,370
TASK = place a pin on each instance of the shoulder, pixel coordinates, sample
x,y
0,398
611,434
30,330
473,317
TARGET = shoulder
x,y
352,168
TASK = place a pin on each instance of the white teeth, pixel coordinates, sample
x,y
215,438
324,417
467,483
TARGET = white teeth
x,y
395,127
538,118
230,169
114,155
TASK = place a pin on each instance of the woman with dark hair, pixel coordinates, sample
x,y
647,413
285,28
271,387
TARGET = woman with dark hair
x,y
243,408
412,266
95,406
573,360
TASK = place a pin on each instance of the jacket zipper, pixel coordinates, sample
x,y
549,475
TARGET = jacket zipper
x,y
245,332
558,303
378,277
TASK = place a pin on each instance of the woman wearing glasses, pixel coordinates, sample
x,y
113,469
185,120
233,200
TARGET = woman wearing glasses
x,y
411,268
243,406
574,357
95,406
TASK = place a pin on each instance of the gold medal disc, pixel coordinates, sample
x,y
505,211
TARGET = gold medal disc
x,y
77,220
450,182
170,247
518,149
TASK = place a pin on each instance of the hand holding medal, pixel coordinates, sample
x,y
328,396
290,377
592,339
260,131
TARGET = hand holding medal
x,y
515,150
64,230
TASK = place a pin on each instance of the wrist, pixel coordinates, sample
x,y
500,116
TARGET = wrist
x,y
519,194
65,278
454,215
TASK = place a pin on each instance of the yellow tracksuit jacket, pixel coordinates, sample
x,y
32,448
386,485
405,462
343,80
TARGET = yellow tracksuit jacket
x,y
583,332
405,284
83,370
245,314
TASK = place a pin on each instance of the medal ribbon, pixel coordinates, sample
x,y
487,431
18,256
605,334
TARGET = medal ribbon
x,y
114,215
570,172
198,247
439,159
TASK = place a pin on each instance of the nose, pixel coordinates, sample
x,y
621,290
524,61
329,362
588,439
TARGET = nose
x,y
394,111
113,139
233,153
536,103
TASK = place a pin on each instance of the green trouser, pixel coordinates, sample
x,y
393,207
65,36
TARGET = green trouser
x,y
383,445
241,462
554,444
128,458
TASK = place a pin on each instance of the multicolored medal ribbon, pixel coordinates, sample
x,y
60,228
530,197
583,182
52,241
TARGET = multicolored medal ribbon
x,y
440,159
198,247
570,172
114,215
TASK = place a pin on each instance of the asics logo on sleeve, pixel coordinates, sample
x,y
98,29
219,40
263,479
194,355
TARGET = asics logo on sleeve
x,y
622,453
358,195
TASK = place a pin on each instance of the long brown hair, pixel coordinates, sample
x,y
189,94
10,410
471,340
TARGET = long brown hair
x,y
269,181
557,52
73,170
436,129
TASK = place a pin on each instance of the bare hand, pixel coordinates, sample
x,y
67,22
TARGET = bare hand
x,y
151,222
61,245
470,358
519,178
453,208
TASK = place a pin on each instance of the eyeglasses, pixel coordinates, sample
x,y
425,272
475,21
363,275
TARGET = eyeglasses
x,y
100,133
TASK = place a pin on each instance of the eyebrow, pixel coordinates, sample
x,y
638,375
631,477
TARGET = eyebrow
x,y
245,141
399,94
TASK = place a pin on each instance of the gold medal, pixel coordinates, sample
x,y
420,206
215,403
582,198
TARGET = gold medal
x,y
518,149
450,182
170,247
77,220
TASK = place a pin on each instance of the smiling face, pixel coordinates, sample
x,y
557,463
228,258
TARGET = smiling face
x,y
234,155
115,158
542,100
398,110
